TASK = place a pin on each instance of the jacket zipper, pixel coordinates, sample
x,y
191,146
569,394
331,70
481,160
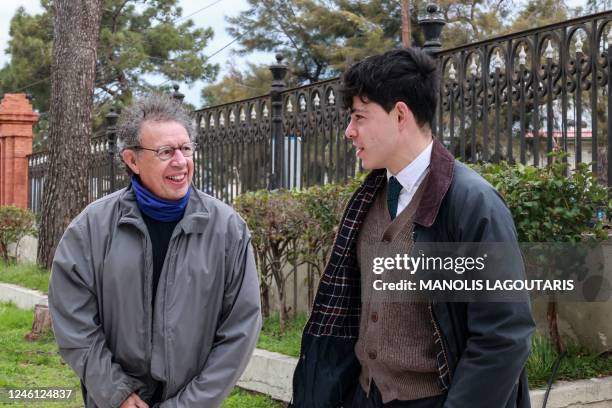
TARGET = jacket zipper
x,y
148,297
170,258
439,333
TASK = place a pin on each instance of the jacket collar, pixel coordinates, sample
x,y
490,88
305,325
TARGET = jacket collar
x,y
438,182
436,186
194,220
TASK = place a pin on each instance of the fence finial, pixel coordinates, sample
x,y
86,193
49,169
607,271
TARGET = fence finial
x,y
549,50
432,24
176,94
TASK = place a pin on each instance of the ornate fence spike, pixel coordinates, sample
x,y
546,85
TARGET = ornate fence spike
x,y
232,117
212,121
522,56
302,103
497,61
549,50
253,113
452,72
242,115
265,111
332,99
474,67
222,120
579,44
317,100
289,106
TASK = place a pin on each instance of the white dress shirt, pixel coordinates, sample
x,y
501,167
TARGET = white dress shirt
x,y
411,177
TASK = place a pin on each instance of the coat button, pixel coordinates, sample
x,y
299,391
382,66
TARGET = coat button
x,y
372,355
374,317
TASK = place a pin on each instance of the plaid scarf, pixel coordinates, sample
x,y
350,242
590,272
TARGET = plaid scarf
x,y
337,305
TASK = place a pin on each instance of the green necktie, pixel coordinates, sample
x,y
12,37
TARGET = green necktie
x,y
393,191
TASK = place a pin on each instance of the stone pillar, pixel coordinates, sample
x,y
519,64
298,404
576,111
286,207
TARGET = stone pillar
x,y
16,121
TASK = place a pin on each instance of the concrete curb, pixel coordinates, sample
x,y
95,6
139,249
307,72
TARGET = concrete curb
x,y
22,297
271,373
591,393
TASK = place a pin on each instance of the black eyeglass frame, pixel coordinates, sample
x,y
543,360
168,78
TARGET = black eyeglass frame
x,y
157,151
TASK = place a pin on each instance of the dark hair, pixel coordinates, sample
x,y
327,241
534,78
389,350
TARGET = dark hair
x,y
408,75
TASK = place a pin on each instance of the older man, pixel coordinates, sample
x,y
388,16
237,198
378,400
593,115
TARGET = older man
x,y
154,293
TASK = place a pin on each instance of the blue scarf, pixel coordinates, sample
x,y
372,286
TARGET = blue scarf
x,y
156,208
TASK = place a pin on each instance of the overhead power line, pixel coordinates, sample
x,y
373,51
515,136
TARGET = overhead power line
x,y
197,11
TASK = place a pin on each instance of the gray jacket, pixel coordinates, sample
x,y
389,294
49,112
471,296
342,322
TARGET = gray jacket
x,y
206,318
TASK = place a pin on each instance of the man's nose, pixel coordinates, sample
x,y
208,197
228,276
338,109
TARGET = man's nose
x,y
178,159
350,131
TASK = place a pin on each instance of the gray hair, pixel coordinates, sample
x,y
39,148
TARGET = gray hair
x,y
151,108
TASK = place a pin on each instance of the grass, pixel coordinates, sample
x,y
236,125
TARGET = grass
x,y
31,365
578,363
25,364
288,343
26,275
243,399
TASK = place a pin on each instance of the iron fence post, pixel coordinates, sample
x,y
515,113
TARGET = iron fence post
x,y
432,24
279,70
111,136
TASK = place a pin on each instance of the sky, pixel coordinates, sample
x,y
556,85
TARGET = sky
x,y
212,16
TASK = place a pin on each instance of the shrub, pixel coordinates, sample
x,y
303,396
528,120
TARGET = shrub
x,y
276,222
551,204
15,223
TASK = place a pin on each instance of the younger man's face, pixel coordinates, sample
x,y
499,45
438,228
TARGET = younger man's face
x,y
374,133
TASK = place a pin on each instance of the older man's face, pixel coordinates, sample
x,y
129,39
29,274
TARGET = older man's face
x,y
168,179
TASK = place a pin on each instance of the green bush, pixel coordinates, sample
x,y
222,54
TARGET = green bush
x,y
551,204
276,222
15,223
292,228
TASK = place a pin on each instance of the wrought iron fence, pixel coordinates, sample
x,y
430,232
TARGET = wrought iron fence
x,y
234,148
238,143
515,97
103,179
520,96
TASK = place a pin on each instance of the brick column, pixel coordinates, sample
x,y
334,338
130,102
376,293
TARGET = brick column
x,y
16,121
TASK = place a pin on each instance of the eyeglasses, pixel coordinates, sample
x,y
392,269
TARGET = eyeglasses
x,y
167,152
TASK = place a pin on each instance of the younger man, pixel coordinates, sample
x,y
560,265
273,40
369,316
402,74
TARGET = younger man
x,y
357,353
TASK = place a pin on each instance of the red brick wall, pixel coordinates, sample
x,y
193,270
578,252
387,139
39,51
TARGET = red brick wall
x,y
16,121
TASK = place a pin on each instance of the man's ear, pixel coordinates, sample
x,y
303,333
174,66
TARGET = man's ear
x,y
405,117
129,158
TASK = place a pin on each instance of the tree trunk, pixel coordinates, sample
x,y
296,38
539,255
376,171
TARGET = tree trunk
x,y
406,40
282,300
41,324
265,299
76,30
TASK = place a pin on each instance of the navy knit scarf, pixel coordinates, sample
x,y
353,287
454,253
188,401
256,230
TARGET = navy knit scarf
x,y
156,208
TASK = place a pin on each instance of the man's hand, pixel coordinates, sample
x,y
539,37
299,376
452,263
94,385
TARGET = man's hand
x,y
134,401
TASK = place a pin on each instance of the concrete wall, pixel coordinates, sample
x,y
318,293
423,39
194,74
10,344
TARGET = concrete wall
x,y
26,250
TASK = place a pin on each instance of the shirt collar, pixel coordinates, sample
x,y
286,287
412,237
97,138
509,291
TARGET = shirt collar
x,y
410,175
